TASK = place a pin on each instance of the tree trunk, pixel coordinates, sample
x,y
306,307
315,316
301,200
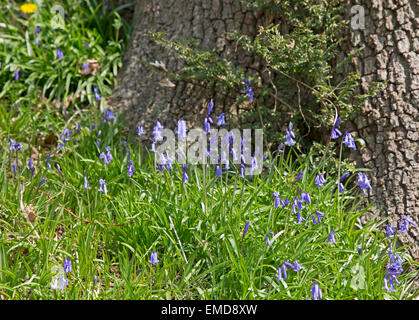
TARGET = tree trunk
x,y
140,96
389,122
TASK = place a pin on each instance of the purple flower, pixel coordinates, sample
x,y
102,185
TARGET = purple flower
x,y
106,157
14,167
130,169
348,141
57,166
17,74
42,182
246,228
290,136
37,30
299,175
359,250
153,258
140,130
60,54
208,121
181,129
16,146
299,218
85,186
249,89
59,282
320,180
103,187
305,197
85,65
210,107
341,187
286,265
86,44
331,237
219,172
31,167
184,175
65,135
67,265
394,269
156,134
319,216
403,224
363,182
97,96
297,203
108,115
390,231
316,292
335,131
267,239
275,195
344,177
280,148
221,120
37,42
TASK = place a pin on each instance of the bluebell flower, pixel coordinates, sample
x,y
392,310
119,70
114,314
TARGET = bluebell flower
x,y
348,141
299,218
98,142
16,146
319,216
290,136
140,130
390,231
297,204
221,120
305,197
316,292
67,265
85,185
37,30
59,283
60,54
57,166
153,258
344,177
392,270
31,167
85,65
280,148
275,195
86,44
320,180
249,89
299,175
37,42
359,250
157,135
92,126
108,115
17,74
267,239
208,121
14,167
184,175
60,145
286,265
219,172
331,237
106,157
102,187
335,131
42,182
279,278
246,228
403,224
97,96
181,129
130,169
363,182
341,187
65,135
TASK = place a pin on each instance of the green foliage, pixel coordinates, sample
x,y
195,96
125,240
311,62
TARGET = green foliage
x,y
201,249
88,31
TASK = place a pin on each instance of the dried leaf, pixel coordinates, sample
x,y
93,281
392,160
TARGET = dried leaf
x,y
166,83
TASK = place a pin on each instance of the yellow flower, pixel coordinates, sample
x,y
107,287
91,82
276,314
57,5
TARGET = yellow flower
x,y
28,8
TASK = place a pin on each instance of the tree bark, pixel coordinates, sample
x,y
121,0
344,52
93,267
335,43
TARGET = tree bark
x,y
389,121
140,97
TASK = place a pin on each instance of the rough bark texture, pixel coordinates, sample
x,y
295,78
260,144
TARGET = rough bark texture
x,y
389,121
139,95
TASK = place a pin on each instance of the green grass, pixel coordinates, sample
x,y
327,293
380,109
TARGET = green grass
x,y
195,227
